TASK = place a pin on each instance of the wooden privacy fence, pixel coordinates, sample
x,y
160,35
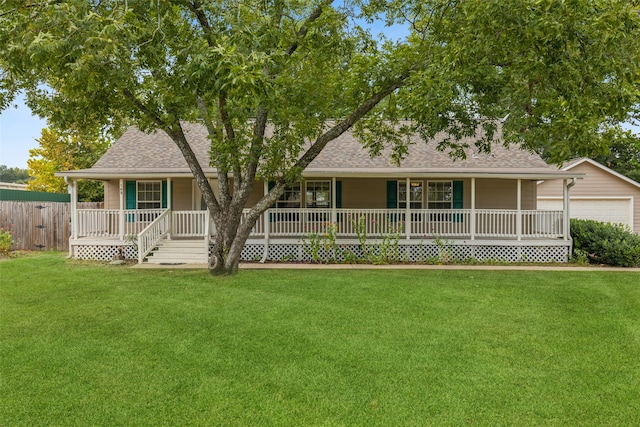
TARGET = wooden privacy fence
x,y
39,225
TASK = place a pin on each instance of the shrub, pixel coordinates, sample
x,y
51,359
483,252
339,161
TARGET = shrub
x,y
612,244
6,240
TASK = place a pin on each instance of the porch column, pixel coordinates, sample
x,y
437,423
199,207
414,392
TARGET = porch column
x,y
169,184
472,221
265,218
407,210
566,214
74,208
334,209
519,209
121,207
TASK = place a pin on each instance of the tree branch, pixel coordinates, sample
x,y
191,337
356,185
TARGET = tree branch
x,y
176,133
196,8
302,32
223,178
29,6
347,123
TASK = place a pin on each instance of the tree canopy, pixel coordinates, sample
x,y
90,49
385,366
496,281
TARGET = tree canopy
x,y
549,73
623,155
64,150
14,175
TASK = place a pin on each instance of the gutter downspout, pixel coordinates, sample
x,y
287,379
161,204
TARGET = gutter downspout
x,y
568,214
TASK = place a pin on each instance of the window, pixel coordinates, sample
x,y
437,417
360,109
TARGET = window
x,y
290,198
415,195
439,194
318,194
149,195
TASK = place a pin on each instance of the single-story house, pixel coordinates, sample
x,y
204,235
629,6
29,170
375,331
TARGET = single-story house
x,y
603,195
483,207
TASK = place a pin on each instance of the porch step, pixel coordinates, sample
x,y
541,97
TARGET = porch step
x,y
179,252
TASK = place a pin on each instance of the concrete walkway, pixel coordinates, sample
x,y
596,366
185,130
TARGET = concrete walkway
x,y
307,266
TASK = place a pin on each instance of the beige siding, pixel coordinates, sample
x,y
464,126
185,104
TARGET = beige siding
x,y
364,193
357,193
182,194
502,194
112,194
256,194
597,183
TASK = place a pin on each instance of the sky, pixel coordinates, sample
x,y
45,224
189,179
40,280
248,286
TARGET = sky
x,y
19,130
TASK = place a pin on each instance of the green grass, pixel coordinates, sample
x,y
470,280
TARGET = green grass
x,y
88,344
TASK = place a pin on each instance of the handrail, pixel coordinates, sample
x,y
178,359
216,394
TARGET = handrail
x,y
296,222
152,234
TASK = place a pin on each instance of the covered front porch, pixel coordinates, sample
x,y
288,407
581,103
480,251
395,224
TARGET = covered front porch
x,y
283,231
145,228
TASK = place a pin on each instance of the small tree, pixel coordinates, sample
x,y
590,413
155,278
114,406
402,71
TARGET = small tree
x,y
550,73
63,151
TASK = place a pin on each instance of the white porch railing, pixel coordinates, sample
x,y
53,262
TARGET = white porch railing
x,y
152,234
424,223
542,224
98,223
188,223
107,222
496,223
441,222
297,222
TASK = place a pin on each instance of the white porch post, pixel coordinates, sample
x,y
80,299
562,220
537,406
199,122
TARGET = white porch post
x,y
121,203
473,209
169,184
265,218
407,210
73,194
519,208
334,209
565,209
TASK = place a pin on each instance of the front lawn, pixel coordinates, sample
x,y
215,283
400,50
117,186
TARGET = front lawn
x,y
89,344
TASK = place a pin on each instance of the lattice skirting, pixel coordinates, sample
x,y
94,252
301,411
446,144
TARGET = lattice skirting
x,y
414,252
103,252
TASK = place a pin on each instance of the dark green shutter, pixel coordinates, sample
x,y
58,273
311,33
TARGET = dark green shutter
x,y
164,195
392,199
458,200
392,194
130,191
458,196
130,199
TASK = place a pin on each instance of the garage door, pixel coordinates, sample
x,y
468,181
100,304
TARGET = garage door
x,y
605,210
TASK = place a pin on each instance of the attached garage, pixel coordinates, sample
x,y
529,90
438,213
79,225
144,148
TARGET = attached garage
x,y
614,210
603,195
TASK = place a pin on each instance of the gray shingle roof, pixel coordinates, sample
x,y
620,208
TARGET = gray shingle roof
x,y
137,152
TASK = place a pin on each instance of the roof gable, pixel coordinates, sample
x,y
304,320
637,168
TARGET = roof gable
x,y
576,162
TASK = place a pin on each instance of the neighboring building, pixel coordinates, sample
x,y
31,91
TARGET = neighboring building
x,y
12,186
603,195
485,207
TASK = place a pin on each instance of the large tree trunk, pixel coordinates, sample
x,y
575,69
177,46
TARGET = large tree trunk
x,y
229,241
